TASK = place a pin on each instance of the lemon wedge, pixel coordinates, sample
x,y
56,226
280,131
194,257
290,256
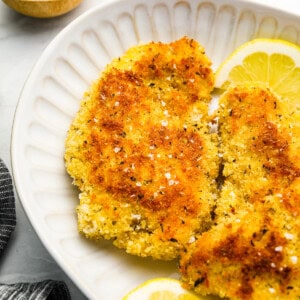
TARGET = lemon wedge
x,y
272,63
161,289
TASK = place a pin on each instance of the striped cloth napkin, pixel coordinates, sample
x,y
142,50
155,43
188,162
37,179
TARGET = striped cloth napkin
x,y
47,289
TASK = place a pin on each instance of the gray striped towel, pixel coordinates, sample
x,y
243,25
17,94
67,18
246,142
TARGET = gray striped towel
x,y
47,289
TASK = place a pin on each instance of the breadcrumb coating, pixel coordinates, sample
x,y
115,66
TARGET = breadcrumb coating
x,y
140,151
253,250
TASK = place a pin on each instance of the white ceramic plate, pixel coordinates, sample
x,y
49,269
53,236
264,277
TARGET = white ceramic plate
x,y
51,98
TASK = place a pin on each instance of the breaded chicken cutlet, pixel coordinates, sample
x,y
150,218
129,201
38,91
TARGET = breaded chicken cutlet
x,y
140,153
253,250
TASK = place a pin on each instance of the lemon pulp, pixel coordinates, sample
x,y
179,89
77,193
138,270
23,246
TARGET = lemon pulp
x,y
161,289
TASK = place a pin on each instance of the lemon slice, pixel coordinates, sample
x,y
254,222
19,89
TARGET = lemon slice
x,y
272,63
161,289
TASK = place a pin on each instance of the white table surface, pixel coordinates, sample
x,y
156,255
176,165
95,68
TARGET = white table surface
x,y
22,41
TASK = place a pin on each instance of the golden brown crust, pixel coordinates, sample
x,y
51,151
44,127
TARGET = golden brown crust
x,y
138,142
140,152
252,251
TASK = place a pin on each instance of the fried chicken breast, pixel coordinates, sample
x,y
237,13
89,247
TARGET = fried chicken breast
x,y
253,249
140,153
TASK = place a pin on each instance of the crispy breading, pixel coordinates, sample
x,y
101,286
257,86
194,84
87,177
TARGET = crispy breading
x,y
140,152
253,250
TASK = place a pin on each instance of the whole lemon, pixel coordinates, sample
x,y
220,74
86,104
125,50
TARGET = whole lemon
x,y
42,8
